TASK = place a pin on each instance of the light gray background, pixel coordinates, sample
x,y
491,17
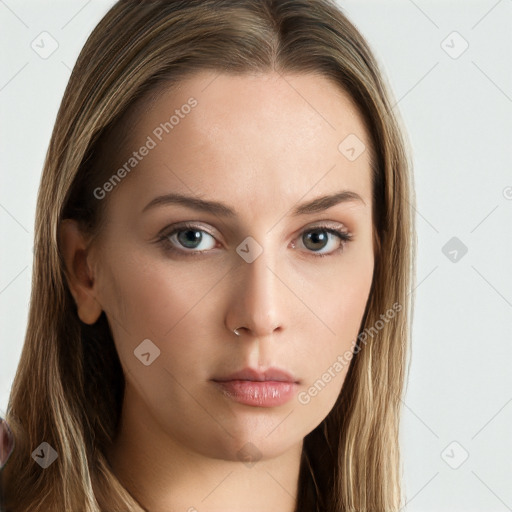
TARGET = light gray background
x,y
457,110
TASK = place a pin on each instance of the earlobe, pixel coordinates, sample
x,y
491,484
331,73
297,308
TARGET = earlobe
x,y
79,275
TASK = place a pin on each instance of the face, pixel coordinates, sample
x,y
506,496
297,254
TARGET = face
x,y
176,276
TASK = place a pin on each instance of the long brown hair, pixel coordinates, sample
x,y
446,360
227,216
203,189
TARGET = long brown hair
x,y
69,383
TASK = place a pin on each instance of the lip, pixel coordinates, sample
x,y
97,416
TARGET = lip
x,y
270,388
271,374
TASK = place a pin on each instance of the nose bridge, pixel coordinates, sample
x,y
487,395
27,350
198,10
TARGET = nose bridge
x,y
260,294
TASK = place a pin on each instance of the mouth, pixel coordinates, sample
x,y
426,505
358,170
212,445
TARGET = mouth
x,y
271,388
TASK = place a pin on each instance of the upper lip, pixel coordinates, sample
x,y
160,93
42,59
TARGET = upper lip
x,y
274,374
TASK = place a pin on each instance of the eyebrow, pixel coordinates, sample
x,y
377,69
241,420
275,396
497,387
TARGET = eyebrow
x,y
218,208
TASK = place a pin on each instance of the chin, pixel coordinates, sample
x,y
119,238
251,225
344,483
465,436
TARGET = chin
x,y
263,434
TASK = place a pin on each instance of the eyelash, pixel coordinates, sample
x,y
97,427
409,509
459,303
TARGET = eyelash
x,y
345,237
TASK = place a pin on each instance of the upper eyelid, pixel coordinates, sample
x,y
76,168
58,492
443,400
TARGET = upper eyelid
x,y
169,230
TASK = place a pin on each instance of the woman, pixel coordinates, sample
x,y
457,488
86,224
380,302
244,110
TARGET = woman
x,y
224,248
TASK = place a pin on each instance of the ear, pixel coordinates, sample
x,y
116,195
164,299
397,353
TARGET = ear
x,y
79,275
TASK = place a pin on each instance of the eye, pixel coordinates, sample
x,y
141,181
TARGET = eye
x,y
324,237
188,239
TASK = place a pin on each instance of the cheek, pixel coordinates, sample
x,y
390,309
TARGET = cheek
x,y
330,343
157,297
338,297
346,308
165,304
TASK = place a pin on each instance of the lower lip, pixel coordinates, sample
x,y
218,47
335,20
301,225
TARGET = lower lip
x,y
268,393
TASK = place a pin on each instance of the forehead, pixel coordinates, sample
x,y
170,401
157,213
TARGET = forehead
x,y
250,135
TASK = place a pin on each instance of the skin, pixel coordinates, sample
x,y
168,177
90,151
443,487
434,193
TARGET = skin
x,y
262,144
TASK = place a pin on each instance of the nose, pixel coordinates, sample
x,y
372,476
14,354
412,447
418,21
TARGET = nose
x,y
258,298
